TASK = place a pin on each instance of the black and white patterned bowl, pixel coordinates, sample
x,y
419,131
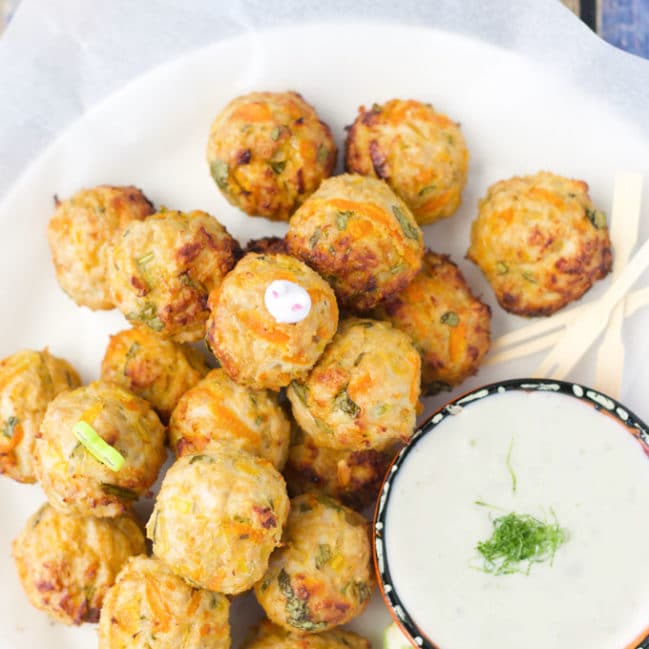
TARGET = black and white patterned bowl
x,y
597,400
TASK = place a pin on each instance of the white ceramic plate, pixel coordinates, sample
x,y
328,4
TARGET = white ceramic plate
x,y
517,118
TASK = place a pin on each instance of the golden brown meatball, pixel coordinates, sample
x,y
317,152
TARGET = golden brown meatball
x,y
540,242
162,269
267,245
67,563
153,368
271,636
80,233
74,481
151,608
419,152
257,347
363,392
219,411
448,325
322,575
29,380
353,477
359,236
218,517
268,151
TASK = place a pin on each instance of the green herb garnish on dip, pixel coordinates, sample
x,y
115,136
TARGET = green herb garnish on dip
x,y
518,541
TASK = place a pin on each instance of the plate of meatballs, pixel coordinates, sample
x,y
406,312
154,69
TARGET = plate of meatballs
x,y
230,304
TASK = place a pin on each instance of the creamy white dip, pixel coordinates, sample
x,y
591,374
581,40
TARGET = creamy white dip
x,y
566,457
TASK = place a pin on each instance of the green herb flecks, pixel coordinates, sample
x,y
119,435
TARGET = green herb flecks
x,y
149,316
399,268
322,155
186,279
324,427
10,426
277,166
410,230
501,268
529,277
301,391
346,404
119,492
219,171
208,459
450,318
297,610
274,134
358,589
342,217
376,108
510,468
323,556
517,542
145,259
596,217
315,237
426,190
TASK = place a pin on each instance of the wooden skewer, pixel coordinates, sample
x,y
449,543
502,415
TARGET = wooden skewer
x,y
632,303
580,335
625,216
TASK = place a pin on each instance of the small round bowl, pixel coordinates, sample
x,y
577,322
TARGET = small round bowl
x,y
388,580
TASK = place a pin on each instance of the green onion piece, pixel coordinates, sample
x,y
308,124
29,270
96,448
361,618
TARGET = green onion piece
x,y
510,468
10,426
274,134
315,237
277,166
219,172
409,229
342,217
322,155
145,259
119,492
97,447
450,318
426,190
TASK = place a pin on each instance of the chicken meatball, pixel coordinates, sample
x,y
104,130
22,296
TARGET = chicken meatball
x,y
270,320
540,242
268,151
271,636
322,575
353,477
153,368
363,392
267,245
219,411
29,380
448,325
359,236
218,517
74,480
67,563
419,152
150,607
80,233
162,270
